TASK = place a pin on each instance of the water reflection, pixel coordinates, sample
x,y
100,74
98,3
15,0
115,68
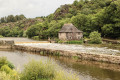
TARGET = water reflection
x,y
87,70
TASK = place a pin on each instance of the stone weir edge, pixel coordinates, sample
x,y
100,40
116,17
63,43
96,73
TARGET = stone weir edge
x,y
85,56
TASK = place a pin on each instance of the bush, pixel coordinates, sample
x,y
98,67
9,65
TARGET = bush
x,y
3,61
95,37
6,69
35,37
4,76
38,70
10,65
1,36
12,76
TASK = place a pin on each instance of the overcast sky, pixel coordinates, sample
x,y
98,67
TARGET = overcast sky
x,y
30,8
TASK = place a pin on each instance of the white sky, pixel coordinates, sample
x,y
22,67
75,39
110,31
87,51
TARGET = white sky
x,y
30,8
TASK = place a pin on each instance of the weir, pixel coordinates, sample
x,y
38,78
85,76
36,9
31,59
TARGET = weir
x,y
6,44
83,56
73,51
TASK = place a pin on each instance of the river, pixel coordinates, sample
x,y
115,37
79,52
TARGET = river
x,y
87,70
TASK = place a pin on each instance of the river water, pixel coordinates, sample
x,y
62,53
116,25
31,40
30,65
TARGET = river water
x,y
87,70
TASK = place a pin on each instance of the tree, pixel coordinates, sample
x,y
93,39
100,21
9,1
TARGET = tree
x,y
110,20
83,22
75,3
95,37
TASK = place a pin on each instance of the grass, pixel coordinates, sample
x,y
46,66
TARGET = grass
x,y
74,42
38,70
75,57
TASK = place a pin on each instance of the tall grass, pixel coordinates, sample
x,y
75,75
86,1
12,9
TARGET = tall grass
x,y
38,70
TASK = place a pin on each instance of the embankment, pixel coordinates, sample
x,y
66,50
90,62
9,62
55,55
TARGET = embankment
x,y
6,44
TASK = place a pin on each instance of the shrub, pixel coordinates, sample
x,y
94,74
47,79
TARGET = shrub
x,y
1,36
10,65
11,76
38,70
6,69
95,37
35,37
60,41
4,76
3,61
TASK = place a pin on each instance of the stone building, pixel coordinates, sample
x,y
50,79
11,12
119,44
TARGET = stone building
x,y
70,32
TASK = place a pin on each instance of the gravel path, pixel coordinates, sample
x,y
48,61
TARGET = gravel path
x,y
75,48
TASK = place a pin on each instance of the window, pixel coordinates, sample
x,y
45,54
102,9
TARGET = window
x,y
70,37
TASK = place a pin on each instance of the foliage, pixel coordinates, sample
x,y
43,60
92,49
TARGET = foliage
x,y
1,36
38,70
95,37
6,69
4,76
83,22
87,15
3,61
74,42
8,32
10,65
11,18
35,37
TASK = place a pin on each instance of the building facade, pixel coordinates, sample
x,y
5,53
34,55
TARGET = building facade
x,y
70,32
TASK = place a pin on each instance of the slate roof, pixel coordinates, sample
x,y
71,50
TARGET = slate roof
x,y
69,28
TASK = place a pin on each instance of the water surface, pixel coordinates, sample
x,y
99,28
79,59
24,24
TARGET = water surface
x,y
87,70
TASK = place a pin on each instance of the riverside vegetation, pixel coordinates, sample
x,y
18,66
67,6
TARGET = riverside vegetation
x,y
87,15
34,70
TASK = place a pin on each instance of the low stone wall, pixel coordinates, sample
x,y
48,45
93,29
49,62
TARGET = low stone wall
x,y
6,44
111,41
84,56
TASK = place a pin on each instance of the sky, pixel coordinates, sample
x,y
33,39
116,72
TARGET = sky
x,y
30,8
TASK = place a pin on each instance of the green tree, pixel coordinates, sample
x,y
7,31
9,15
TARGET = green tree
x,y
75,3
83,22
95,37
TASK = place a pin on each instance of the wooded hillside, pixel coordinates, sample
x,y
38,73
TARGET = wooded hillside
x,y
87,15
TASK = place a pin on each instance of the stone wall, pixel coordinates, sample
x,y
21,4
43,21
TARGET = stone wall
x,y
6,44
84,56
70,36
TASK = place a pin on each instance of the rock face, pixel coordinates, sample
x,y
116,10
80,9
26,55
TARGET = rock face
x,y
6,44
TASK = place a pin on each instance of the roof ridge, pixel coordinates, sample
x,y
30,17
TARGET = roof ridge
x,y
69,28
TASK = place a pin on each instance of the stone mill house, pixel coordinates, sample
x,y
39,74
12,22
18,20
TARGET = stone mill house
x,y
70,32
